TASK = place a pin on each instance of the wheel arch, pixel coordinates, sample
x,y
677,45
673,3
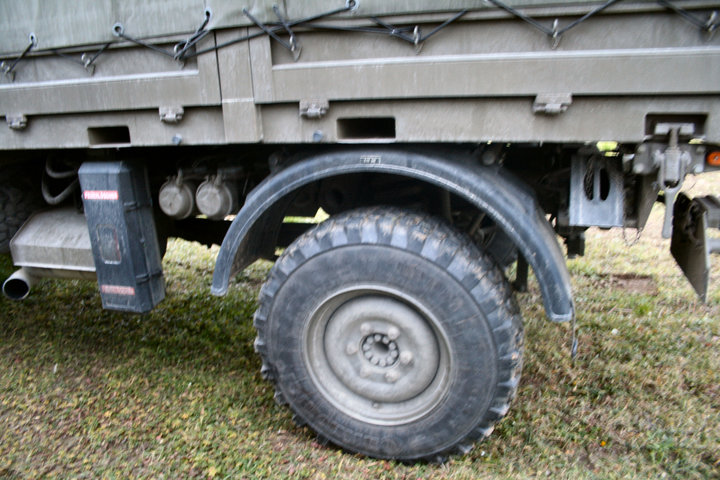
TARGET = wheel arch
x,y
493,191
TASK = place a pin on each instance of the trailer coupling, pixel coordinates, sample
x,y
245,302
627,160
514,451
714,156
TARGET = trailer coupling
x,y
691,244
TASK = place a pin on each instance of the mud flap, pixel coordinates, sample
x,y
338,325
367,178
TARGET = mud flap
x,y
690,244
124,239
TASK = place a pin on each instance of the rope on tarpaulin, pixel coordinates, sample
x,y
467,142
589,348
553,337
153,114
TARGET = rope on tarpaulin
x,y
187,49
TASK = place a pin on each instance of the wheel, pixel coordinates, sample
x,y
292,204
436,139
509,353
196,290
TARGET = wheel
x,y
390,335
19,198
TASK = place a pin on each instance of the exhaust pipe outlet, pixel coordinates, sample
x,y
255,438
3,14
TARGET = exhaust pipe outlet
x,y
18,285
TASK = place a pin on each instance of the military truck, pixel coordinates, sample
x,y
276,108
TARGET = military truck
x,y
452,143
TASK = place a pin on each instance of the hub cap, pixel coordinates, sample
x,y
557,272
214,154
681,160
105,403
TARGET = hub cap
x,y
377,355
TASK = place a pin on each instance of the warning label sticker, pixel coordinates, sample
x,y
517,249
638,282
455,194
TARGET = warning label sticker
x,y
117,290
100,195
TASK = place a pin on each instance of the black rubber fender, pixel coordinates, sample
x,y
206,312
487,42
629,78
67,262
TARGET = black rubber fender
x,y
492,190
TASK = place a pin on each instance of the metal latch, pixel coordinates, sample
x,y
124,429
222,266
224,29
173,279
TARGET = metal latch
x,y
673,163
552,103
16,121
171,114
314,108
8,69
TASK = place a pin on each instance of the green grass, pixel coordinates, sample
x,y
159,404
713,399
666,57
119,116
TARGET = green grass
x,y
86,393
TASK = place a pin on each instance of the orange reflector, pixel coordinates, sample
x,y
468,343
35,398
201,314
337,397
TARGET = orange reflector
x,y
713,159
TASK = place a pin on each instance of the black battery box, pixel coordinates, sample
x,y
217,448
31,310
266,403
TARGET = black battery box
x,y
118,208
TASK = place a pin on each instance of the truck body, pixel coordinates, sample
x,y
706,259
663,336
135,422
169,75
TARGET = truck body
x,y
446,140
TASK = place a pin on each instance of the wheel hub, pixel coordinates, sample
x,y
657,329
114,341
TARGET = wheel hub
x,y
373,352
379,350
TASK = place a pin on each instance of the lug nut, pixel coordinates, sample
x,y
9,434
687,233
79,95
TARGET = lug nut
x,y
392,376
365,329
351,349
406,358
393,333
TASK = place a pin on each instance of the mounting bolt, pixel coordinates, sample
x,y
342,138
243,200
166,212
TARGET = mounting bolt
x,y
392,376
365,372
351,349
365,329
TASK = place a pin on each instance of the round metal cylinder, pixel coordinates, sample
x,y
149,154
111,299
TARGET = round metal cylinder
x,y
216,200
177,200
18,285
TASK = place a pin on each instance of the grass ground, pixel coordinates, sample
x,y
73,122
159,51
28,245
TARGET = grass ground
x,y
86,393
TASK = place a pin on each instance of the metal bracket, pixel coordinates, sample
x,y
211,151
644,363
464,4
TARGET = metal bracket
x,y
555,33
708,26
182,48
8,70
119,31
673,164
597,194
417,38
171,114
87,61
293,45
313,109
16,121
552,103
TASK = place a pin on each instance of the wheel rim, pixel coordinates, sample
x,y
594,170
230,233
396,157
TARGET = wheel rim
x,y
378,355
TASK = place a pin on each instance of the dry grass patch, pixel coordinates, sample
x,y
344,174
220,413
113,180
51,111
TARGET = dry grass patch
x,y
176,393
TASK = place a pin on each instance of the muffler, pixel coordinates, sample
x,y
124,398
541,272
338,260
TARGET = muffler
x,y
52,244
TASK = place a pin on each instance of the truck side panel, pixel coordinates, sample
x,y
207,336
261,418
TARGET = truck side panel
x,y
481,78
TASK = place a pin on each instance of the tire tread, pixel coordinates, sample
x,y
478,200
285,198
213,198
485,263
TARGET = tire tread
x,y
438,242
19,198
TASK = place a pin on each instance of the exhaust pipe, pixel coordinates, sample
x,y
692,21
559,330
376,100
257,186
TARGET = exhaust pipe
x,y
51,244
18,285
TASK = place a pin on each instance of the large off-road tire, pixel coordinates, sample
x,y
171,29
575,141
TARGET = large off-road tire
x,y
391,335
19,198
